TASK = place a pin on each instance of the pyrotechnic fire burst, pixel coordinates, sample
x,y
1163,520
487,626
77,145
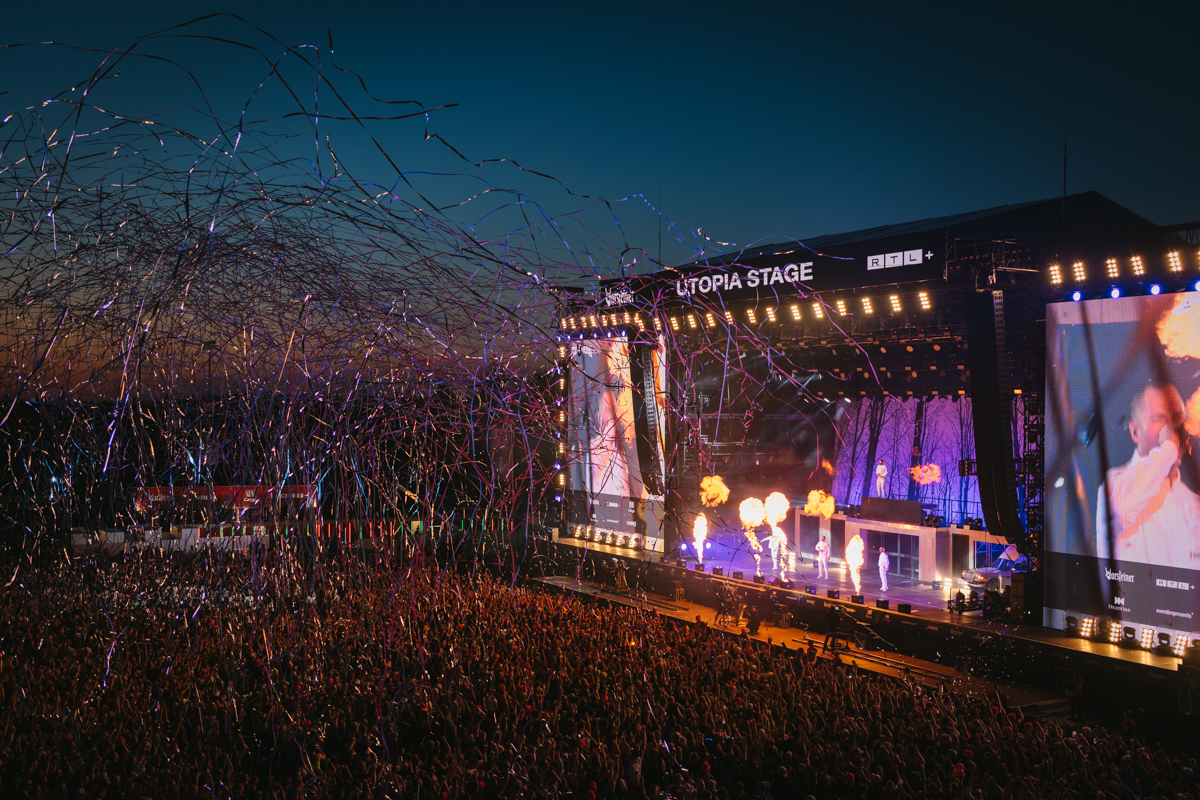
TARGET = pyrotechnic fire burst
x,y
820,504
926,474
699,534
1179,331
713,491
854,560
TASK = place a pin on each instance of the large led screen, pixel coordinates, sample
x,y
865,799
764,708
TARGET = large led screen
x,y
1122,421
615,439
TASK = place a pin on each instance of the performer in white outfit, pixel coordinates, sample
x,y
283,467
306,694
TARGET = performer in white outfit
x,y
1155,516
884,563
880,478
822,558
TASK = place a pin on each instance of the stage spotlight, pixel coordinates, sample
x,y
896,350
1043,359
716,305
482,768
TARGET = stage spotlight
x,y
1080,272
1087,628
923,298
750,316
1138,268
1155,289
1127,637
771,315
1196,286
1176,262
1114,293
1076,295
1111,264
1055,275
1147,640
558,498
1072,628
1181,643
1114,632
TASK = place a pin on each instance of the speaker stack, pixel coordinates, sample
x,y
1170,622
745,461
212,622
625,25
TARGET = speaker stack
x,y
991,411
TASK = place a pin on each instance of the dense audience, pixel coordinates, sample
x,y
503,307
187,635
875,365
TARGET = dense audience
x,y
248,677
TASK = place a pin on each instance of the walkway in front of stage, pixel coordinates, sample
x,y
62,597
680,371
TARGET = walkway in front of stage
x,y
930,674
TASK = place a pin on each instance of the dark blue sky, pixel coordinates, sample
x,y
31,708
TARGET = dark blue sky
x,y
760,122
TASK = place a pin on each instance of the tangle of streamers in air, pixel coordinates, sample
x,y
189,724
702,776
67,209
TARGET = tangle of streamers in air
x,y
214,295
223,319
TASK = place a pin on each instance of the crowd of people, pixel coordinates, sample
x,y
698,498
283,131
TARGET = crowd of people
x,y
221,676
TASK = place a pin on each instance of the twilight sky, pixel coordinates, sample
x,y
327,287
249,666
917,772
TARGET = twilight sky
x,y
755,122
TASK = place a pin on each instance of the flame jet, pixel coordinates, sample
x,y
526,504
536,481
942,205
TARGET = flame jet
x,y
854,559
775,511
753,514
699,534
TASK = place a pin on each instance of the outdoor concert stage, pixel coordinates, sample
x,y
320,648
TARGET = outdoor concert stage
x,y
1009,654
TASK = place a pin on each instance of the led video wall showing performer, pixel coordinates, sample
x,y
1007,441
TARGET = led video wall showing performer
x,y
615,456
1122,477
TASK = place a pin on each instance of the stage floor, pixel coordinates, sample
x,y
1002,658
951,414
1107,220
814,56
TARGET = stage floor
x,y
923,598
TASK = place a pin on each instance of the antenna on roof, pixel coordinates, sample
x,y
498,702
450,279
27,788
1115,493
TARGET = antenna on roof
x,y
1064,202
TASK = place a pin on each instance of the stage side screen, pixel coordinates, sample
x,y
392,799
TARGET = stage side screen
x,y
1122,420
615,439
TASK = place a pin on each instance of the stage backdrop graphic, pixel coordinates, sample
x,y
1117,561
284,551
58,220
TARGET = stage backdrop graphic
x,y
614,442
1122,420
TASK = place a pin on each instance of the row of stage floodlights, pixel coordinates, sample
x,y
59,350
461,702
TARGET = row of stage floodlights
x,y
685,320
1103,629
1173,263
1116,291
590,534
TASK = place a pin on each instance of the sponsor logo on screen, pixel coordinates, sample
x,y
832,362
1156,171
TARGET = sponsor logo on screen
x,y
1184,585
1120,577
